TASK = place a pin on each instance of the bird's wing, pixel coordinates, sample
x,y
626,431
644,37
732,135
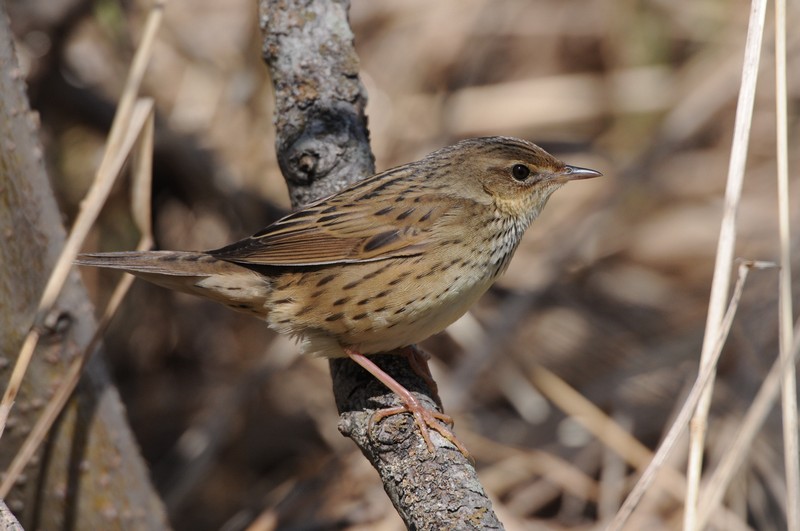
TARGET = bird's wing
x,y
382,217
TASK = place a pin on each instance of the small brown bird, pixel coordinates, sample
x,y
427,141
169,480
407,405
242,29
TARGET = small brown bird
x,y
382,264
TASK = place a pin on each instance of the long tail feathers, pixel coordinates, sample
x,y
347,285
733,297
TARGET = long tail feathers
x,y
181,264
191,272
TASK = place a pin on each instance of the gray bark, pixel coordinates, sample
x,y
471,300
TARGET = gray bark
x,y
322,146
90,474
8,521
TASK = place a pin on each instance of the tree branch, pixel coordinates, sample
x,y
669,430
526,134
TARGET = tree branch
x,y
322,138
322,146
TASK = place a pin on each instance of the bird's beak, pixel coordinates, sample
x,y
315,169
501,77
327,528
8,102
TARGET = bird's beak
x,y
574,173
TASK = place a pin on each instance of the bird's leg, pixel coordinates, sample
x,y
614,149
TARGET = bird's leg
x,y
423,417
418,361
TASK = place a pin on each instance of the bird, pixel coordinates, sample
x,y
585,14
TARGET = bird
x,y
381,265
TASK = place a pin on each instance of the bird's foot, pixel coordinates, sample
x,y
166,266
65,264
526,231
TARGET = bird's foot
x,y
424,418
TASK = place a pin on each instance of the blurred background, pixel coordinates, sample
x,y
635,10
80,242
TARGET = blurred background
x,y
608,291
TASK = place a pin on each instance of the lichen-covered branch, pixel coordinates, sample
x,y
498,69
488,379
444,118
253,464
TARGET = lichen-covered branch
x,y
322,146
322,137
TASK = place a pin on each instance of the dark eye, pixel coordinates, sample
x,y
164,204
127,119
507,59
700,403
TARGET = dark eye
x,y
520,172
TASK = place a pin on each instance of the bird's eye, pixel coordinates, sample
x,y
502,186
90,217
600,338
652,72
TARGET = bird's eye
x,y
520,172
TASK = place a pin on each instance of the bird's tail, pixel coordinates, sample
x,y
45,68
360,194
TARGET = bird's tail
x,y
191,272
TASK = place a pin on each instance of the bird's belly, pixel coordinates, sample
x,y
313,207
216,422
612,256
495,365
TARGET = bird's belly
x,y
379,306
422,319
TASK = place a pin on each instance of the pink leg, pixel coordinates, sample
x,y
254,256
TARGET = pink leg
x,y
424,418
418,360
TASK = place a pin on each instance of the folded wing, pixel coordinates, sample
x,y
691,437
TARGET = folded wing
x,y
380,218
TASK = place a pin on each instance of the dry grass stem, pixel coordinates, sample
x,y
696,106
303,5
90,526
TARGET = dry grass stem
x,y
704,379
724,258
142,127
791,449
720,479
602,426
117,149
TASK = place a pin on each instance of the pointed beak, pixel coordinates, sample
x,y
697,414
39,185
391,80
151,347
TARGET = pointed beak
x,y
574,173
